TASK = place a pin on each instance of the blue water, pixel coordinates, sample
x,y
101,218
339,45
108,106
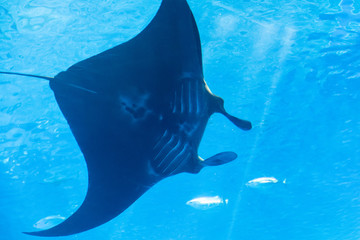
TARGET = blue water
x,y
290,67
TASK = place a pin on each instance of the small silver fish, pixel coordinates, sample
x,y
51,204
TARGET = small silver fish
x,y
48,222
257,182
204,203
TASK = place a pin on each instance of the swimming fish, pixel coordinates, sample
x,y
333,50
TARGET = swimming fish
x,y
48,221
204,203
262,181
138,112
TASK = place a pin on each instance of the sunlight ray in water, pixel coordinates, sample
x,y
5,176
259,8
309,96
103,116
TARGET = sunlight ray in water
x,y
287,38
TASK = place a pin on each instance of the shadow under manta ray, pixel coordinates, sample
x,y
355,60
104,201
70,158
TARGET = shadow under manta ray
x,y
138,112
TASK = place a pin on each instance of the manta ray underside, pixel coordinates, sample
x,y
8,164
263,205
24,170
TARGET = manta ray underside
x,y
138,112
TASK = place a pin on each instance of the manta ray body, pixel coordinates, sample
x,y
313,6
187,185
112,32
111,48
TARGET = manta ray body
x,y
138,112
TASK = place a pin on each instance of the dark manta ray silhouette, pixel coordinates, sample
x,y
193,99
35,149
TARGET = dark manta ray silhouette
x,y
138,112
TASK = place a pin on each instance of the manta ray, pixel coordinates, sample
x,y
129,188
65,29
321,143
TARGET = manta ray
x,y
138,112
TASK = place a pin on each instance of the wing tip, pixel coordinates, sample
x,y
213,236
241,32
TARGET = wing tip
x,y
37,233
46,233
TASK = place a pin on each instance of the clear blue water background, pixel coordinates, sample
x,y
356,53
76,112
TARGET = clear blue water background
x,y
291,67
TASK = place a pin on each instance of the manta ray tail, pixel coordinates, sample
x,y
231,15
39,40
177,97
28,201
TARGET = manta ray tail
x,y
27,75
50,79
